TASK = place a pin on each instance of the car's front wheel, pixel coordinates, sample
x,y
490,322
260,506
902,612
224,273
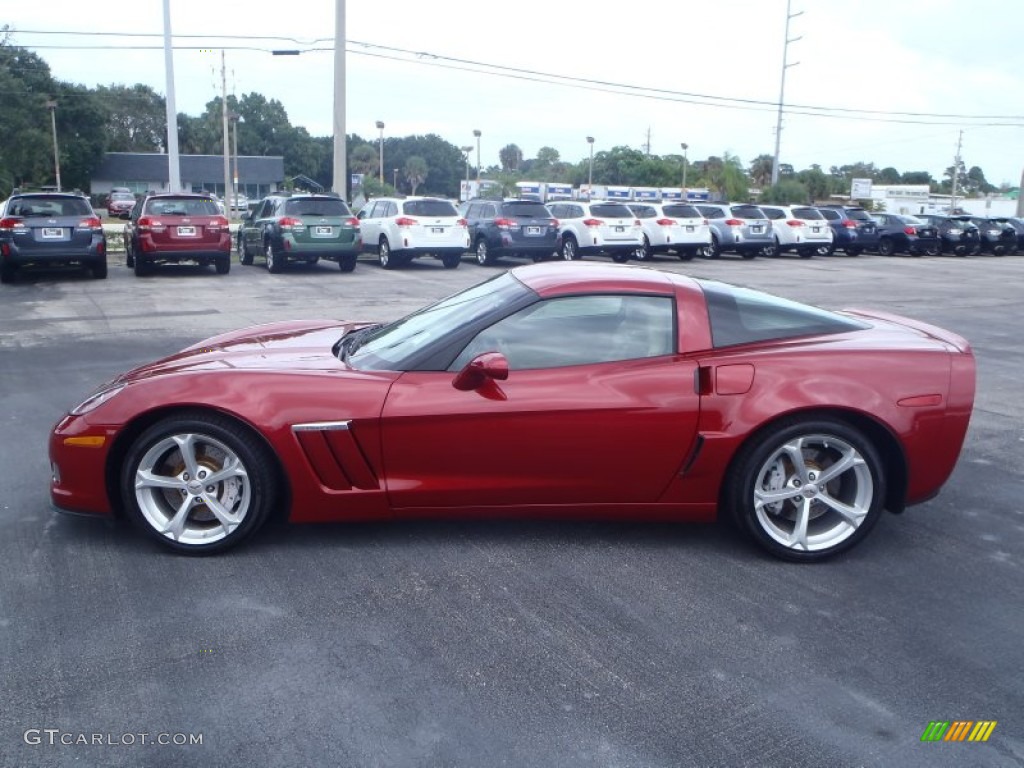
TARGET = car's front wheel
x,y
384,254
644,253
806,490
129,253
244,257
886,247
347,263
99,269
714,250
198,482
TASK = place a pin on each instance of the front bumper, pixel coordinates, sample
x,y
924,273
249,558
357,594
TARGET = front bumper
x,y
78,461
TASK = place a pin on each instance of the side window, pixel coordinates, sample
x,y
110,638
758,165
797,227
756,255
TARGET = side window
x,y
391,209
490,212
579,330
473,212
556,210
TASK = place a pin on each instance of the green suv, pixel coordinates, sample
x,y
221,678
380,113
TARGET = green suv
x,y
300,227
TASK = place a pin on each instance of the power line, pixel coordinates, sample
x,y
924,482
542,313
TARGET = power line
x,y
519,73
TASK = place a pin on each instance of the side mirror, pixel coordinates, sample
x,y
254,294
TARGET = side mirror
x,y
484,368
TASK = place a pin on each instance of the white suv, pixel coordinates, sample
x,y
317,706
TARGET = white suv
x,y
400,229
676,227
799,228
597,227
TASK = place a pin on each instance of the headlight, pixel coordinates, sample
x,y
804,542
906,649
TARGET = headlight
x,y
96,399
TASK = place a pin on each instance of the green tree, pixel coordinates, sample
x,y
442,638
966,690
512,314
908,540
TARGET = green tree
x,y
815,182
415,172
136,118
81,131
761,170
917,177
363,159
511,157
787,191
26,151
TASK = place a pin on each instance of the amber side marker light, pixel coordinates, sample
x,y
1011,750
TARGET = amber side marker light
x,y
86,441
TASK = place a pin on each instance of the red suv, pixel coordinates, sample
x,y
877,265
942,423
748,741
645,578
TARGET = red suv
x,y
172,228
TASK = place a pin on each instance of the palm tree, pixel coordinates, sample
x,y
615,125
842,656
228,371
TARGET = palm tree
x,y
761,170
511,157
415,172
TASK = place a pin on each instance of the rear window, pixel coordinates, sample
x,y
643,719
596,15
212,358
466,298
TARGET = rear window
x,y
811,214
49,206
747,212
643,211
828,213
429,208
774,214
741,316
526,210
611,210
859,214
328,206
182,206
682,211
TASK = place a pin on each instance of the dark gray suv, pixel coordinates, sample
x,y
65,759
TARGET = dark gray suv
x,y
50,228
511,228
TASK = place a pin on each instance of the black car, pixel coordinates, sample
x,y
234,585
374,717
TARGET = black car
x,y
956,236
898,233
511,228
50,228
996,238
853,229
1017,225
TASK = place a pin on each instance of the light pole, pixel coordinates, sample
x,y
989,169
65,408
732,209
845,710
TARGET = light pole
x,y
466,151
590,172
782,89
476,132
380,174
52,106
394,173
233,116
685,147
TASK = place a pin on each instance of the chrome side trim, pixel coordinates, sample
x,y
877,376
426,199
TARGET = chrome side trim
x,y
321,426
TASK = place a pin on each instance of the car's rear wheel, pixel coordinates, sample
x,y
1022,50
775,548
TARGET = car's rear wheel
x,y
223,265
644,253
886,247
621,257
141,265
274,263
714,250
384,255
570,251
770,251
753,254
687,254
807,490
483,256
932,250
806,253
129,253
451,260
7,273
854,250
826,250
99,270
198,483
347,263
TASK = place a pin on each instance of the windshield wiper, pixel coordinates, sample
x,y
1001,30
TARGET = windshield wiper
x,y
352,340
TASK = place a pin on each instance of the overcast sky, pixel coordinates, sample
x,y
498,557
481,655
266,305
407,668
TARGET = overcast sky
x,y
707,74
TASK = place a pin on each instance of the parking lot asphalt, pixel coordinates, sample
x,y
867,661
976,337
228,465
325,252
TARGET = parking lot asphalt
x,y
511,643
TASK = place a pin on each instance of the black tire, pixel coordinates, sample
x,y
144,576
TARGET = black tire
x,y
826,250
237,505
483,255
142,266
806,253
7,273
886,247
763,465
621,257
99,269
384,256
714,250
348,263
570,250
275,262
223,265
687,255
751,254
771,251
854,250
644,252
451,260
244,255
129,254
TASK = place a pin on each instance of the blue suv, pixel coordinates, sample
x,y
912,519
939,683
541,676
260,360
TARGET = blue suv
x,y
853,229
511,228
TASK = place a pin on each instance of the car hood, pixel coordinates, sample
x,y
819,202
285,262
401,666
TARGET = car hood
x,y
304,345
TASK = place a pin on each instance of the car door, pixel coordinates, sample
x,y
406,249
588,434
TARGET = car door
x,y
369,223
597,409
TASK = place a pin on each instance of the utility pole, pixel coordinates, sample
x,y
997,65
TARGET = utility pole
x,y
173,164
340,166
956,172
227,142
647,146
52,106
782,90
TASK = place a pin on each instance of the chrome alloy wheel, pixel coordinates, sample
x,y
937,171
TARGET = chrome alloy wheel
x,y
192,488
813,493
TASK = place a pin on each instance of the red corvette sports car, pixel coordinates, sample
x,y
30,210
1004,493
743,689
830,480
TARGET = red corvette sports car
x,y
556,389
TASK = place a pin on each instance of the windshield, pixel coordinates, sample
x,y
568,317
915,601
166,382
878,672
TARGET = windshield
x,y
386,348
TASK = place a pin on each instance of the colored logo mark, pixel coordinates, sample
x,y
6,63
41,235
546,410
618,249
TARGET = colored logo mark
x,y
959,730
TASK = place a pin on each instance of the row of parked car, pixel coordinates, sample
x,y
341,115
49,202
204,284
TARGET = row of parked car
x,y
47,228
